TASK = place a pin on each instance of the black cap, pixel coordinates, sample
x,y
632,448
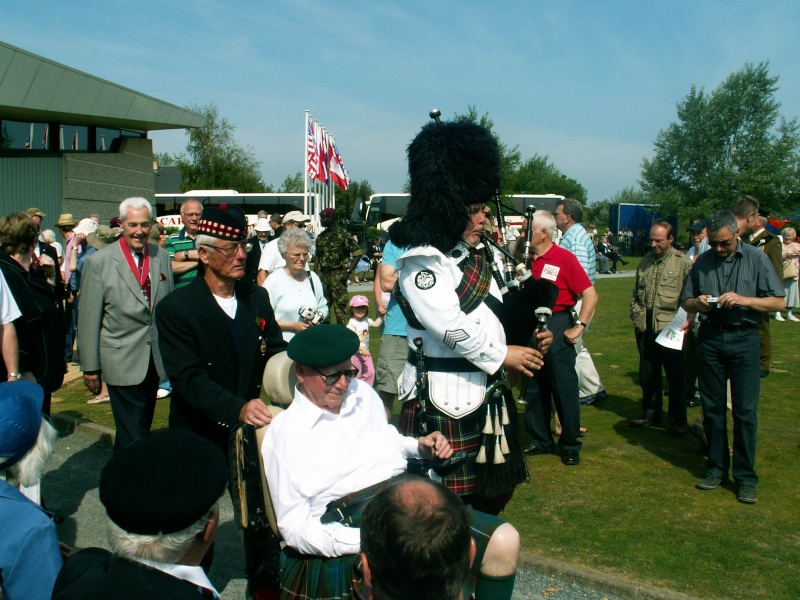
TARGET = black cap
x,y
163,482
225,222
323,345
697,225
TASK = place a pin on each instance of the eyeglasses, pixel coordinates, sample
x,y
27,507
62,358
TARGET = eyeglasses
x,y
231,250
720,243
332,378
304,256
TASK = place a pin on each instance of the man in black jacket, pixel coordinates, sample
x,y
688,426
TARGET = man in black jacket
x,y
217,334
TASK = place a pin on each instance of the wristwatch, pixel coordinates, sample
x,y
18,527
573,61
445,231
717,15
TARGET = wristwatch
x,y
18,376
185,255
579,322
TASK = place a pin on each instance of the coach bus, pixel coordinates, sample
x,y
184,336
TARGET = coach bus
x,y
168,206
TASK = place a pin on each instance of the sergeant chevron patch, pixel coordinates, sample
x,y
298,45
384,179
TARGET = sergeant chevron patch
x,y
453,336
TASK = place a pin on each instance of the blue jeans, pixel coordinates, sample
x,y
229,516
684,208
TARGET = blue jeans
x,y
733,355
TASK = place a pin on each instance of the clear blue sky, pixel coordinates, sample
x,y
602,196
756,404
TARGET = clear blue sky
x,y
588,83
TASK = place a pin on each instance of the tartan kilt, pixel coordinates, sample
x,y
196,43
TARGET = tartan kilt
x,y
307,577
464,435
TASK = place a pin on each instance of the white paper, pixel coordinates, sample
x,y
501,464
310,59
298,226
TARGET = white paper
x,y
671,336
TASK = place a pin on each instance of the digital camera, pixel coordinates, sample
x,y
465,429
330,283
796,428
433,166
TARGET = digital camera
x,y
311,315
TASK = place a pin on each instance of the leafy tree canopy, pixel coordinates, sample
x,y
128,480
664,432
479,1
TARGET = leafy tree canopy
x,y
732,141
215,160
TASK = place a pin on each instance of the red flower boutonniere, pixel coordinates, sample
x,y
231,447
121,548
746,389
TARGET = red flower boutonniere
x,y
163,277
261,323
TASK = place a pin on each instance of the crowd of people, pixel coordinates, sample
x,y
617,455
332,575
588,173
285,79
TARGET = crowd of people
x,y
200,313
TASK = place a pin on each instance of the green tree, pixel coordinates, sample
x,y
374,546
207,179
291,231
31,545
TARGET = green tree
x,y
165,159
538,175
215,160
5,138
346,200
596,214
729,142
293,184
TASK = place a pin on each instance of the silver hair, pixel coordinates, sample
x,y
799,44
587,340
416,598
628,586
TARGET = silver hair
x,y
134,204
293,236
542,219
203,239
786,230
28,471
49,236
719,220
163,547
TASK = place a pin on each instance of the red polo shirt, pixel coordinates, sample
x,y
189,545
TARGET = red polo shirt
x,y
562,268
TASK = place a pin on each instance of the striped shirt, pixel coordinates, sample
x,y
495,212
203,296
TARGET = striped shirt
x,y
179,242
748,272
577,241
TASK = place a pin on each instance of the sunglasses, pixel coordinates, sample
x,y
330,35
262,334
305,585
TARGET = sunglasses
x,y
332,378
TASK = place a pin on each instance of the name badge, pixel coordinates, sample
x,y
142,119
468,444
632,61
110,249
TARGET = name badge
x,y
550,272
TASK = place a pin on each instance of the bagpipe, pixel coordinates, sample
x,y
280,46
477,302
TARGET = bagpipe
x,y
523,294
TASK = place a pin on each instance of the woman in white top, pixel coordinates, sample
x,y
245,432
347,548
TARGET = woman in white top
x,y
292,288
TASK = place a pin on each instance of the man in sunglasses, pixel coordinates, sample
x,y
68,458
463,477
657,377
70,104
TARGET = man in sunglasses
x,y
217,334
329,453
731,287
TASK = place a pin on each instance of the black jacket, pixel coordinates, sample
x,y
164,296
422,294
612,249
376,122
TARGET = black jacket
x,y
96,574
213,377
40,330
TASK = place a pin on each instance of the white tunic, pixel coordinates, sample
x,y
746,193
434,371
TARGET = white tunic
x,y
312,457
428,281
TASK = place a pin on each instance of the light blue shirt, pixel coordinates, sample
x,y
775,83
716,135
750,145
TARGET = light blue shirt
x,y
394,321
577,241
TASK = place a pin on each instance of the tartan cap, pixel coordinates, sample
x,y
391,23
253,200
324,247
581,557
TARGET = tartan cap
x,y
163,482
225,222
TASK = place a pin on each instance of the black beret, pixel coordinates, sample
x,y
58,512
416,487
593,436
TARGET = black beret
x,y
226,222
323,345
163,482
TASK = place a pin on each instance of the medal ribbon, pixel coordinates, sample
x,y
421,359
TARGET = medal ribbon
x,y
141,272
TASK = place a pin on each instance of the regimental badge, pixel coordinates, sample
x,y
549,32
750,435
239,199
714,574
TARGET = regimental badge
x,y
263,346
425,280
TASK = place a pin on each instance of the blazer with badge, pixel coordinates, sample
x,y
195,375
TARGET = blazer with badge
x,y
773,248
116,323
211,377
93,574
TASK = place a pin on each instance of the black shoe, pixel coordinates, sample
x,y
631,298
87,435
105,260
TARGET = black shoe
x,y
624,262
710,482
533,450
570,458
746,494
677,430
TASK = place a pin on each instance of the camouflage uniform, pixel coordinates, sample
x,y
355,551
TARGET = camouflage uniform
x,y
333,254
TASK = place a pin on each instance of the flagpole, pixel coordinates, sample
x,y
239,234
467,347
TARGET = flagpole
x,y
305,165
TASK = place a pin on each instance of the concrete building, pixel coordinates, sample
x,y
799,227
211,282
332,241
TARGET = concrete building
x,y
71,142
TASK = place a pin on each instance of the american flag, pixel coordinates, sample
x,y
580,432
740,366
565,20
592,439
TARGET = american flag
x,y
313,159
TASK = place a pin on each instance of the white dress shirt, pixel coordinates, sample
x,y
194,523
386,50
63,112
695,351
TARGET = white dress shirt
x,y
313,457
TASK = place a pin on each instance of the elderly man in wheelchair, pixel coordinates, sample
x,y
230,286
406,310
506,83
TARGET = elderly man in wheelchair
x,y
324,458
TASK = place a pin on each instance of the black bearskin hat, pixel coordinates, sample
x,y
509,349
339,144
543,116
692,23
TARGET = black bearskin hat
x,y
451,165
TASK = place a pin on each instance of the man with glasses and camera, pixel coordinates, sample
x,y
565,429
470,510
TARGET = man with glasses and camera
x,y
732,286
217,334
182,245
329,453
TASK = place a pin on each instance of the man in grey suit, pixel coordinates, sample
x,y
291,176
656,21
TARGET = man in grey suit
x,y
120,288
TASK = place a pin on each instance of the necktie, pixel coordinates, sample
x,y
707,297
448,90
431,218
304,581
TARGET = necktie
x,y
139,261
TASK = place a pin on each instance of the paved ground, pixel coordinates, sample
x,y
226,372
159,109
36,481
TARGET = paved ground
x,y
70,488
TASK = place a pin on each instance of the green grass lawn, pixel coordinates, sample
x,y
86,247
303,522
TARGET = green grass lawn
x,y
630,507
